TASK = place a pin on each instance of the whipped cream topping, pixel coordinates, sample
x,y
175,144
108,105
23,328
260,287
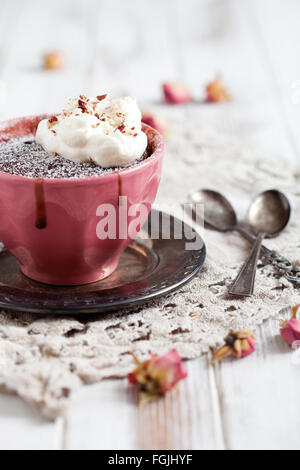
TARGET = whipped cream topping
x,y
105,131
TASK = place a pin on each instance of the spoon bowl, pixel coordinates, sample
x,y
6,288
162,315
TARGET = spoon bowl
x,y
218,212
269,213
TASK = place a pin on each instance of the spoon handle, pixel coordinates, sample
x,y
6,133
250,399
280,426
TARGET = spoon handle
x,y
243,286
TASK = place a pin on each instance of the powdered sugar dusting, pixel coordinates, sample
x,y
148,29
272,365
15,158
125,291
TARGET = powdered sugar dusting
x,y
24,156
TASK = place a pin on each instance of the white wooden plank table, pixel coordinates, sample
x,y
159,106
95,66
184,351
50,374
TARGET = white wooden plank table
x,y
131,47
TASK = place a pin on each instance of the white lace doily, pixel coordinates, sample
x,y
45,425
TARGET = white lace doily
x,y
44,359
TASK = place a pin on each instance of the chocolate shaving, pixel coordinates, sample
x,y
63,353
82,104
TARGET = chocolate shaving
x,y
82,105
52,120
101,97
121,127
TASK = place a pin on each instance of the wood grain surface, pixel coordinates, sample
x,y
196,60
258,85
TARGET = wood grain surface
x,y
131,47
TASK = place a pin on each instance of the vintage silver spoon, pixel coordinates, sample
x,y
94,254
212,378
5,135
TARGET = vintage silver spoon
x,y
268,215
218,212
220,215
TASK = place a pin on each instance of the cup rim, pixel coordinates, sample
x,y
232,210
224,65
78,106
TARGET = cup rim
x,y
156,155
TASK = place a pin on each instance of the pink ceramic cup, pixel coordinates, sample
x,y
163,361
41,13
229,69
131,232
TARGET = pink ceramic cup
x,y
50,225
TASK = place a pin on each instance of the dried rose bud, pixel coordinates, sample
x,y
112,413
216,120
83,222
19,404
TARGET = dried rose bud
x,y
215,92
53,61
157,375
237,343
176,93
290,330
157,122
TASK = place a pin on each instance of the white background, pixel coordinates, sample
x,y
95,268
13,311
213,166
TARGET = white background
x,y
131,47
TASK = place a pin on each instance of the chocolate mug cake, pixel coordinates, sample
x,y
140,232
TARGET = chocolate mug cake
x,y
55,174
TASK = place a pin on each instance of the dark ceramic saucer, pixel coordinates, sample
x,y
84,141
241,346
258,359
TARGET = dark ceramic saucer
x,y
148,268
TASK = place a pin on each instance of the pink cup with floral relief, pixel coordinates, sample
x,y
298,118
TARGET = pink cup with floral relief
x,y
50,225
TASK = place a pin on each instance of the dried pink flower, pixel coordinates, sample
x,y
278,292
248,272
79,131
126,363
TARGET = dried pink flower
x,y
290,330
216,92
176,93
157,375
54,60
155,121
237,343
